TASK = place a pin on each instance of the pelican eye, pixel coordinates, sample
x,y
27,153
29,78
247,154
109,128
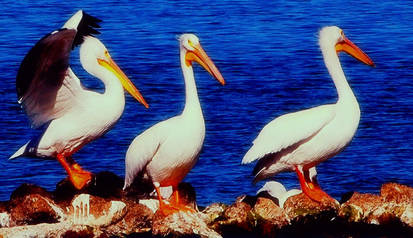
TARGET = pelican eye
x,y
190,43
107,54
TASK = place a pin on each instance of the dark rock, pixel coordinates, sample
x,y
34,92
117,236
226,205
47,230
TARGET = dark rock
x,y
65,191
34,209
106,185
187,195
27,189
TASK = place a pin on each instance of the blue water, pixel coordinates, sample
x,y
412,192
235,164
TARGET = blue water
x,y
267,52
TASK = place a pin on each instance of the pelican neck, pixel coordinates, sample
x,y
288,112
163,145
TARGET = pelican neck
x,y
335,70
191,93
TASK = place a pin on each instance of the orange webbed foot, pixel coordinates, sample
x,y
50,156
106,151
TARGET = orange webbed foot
x,y
79,177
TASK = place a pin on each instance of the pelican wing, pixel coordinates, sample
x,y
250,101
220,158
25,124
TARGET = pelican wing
x,y
43,82
141,151
288,130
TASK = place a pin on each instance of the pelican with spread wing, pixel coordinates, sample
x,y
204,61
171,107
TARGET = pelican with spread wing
x,y
54,99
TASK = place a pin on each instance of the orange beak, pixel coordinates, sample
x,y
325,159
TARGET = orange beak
x,y
199,55
349,47
125,81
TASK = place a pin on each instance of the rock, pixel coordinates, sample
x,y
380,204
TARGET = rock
x,y
27,189
61,229
372,209
214,212
393,192
187,195
270,217
182,224
299,206
138,219
106,185
239,216
359,207
95,211
268,211
34,209
407,216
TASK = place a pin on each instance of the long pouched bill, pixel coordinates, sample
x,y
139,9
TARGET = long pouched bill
x,y
201,57
126,83
349,47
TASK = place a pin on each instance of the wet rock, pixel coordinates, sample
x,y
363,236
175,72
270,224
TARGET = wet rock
x,y
301,206
34,209
182,224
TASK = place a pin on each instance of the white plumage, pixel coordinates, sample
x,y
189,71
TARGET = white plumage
x,y
53,96
167,151
305,138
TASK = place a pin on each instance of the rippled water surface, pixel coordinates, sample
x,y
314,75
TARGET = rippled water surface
x,y
269,56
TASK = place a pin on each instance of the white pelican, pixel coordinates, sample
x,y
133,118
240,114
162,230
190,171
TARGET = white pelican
x,y
53,96
301,140
167,151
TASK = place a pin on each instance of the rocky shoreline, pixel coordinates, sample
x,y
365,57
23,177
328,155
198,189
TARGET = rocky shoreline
x,y
103,210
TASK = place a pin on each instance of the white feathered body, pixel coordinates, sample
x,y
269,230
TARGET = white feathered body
x,y
89,116
168,150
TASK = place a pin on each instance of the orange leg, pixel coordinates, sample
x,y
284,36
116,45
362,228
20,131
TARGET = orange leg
x,y
311,189
77,175
174,206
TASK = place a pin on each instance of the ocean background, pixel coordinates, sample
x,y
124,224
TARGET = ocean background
x,y
267,52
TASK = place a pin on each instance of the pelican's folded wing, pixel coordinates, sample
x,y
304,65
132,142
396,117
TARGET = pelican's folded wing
x,y
288,130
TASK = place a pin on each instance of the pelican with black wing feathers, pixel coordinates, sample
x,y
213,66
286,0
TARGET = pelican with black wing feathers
x,y
167,151
301,140
53,97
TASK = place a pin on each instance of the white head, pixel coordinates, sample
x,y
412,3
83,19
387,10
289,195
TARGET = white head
x,y
95,59
188,41
192,50
332,37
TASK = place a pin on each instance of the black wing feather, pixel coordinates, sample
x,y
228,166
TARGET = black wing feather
x,y
85,28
